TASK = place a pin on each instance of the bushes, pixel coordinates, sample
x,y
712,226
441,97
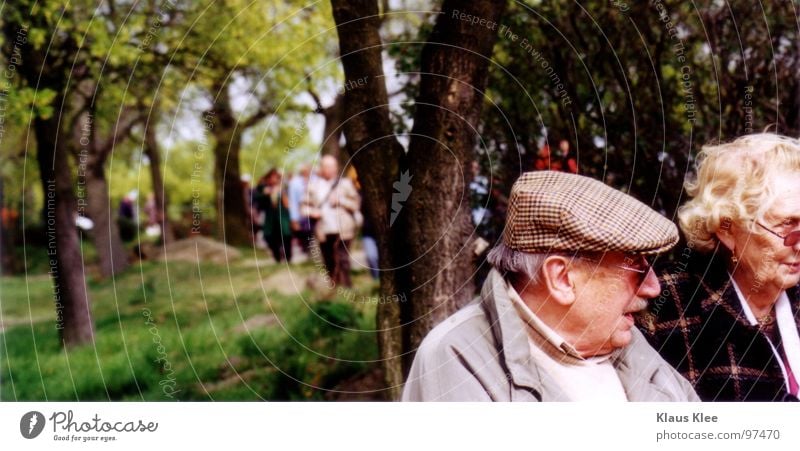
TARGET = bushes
x,y
319,347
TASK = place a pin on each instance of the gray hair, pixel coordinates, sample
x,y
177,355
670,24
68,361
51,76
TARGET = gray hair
x,y
522,266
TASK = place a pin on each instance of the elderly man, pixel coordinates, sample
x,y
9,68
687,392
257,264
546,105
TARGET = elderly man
x,y
333,202
554,321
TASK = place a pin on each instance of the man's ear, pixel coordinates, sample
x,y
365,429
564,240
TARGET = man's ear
x,y
557,279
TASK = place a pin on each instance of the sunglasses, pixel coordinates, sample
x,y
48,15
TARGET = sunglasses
x,y
642,269
788,240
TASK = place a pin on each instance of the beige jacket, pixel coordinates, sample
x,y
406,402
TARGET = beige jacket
x,y
482,353
333,219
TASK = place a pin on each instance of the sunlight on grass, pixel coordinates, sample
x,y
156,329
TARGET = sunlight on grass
x,y
179,332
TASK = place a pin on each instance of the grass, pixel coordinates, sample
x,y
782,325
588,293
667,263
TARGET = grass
x,y
182,331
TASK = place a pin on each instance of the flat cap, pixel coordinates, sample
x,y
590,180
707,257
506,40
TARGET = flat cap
x,y
559,212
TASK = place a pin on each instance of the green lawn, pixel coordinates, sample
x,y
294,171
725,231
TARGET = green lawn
x,y
189,332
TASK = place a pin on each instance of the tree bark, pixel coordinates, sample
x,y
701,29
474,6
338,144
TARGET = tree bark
x,y
41,70
377,163
455,64
91,152
153,152
5,260
111,253
332,133
73,313
233,225
91,159
429,239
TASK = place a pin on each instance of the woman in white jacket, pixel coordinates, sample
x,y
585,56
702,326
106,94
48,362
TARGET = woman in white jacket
x,y
333,203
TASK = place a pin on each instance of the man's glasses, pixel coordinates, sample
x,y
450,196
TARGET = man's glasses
x,y
788,240
643,268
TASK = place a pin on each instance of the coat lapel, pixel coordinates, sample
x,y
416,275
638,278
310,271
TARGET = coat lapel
x,y
509,331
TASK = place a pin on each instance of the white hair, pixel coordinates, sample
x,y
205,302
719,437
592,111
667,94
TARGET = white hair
x,y
524,267
733,184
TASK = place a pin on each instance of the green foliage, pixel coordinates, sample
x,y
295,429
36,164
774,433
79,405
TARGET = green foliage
x,y
29,102
636,87
317,349
167,59
267,46
283,142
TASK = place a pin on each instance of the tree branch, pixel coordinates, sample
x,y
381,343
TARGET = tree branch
x,y
128,118
310,90
265,110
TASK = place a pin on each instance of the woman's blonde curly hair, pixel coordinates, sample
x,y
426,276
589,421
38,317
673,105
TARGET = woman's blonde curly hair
x,y
732,184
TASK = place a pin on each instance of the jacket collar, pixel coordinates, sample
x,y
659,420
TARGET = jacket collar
x,y
635,365
641,371
509,332
719,300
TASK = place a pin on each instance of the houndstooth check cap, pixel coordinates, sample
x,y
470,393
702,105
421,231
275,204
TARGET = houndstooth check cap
x,y
559,212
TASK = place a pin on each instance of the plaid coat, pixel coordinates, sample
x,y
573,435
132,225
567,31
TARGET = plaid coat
x,y
698,326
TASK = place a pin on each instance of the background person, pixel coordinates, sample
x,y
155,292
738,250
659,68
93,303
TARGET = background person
x,y
302,226
277,230
258,207
333,201
370,241
561,160
127,220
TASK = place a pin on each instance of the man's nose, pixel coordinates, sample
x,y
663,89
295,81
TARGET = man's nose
x,y
650,287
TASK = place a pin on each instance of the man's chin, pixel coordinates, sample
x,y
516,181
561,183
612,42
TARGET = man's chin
x,y
622,338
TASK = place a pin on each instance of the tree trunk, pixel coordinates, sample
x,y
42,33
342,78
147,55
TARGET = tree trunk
x,y
377,162
73,315
151,149
111,253
233,225
428,240
5,260
41,70
91,156
333,130
455,65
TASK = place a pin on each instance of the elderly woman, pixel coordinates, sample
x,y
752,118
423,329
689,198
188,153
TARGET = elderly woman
x,y
728,317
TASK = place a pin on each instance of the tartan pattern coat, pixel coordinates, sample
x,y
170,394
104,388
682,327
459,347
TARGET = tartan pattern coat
x,y
699,327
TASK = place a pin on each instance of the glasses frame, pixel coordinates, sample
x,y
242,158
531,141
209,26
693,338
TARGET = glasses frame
x,y
791,235
642,272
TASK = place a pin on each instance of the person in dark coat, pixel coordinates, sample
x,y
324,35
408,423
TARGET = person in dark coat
x,y
273,200
729,312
